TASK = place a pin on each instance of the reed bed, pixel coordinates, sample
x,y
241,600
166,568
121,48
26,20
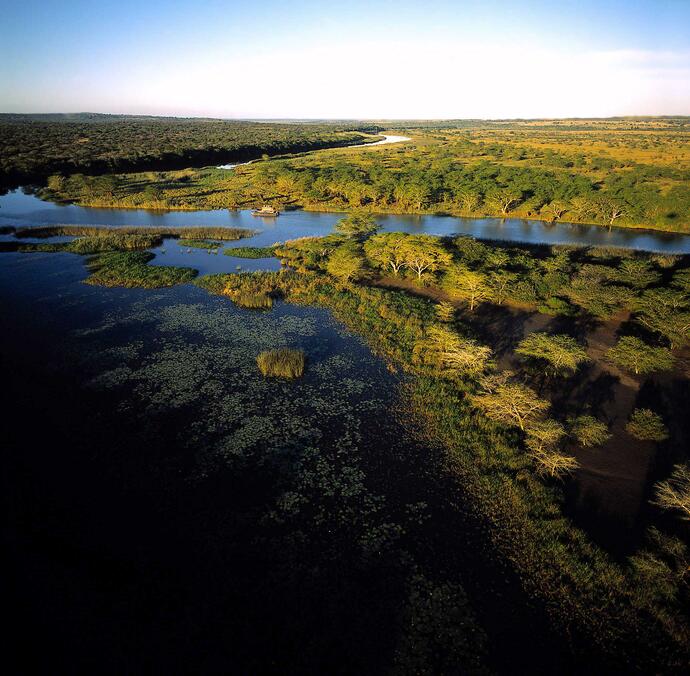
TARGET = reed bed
x,y
284,362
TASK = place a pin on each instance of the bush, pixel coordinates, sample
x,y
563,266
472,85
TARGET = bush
x,y
282,363
646,425
588,431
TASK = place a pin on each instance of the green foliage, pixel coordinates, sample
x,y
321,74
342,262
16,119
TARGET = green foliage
x,y
589,432
200,243
387,252
646,425
674,493
130,269
468,285
251,251
637,356
346,263
450,354
667,312
33,148
560,352
282,363
358,225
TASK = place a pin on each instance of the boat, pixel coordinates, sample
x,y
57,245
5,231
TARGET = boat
x,y
266,210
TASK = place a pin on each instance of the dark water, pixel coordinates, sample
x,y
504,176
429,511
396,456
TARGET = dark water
x,y
17,208
172,511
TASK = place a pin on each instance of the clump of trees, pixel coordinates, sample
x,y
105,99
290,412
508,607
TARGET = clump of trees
x,y
513,404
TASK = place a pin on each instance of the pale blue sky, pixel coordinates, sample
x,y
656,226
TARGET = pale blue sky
x,y
347,59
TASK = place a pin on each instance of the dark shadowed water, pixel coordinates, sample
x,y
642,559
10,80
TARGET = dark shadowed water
x,y
171,510
17,208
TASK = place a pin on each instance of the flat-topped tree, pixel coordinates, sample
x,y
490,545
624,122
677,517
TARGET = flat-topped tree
x,y
387,251
558,353
667,312
468,285
633,354
357,225
425,254
510,403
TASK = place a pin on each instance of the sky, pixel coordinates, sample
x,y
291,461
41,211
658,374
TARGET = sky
x,y
347,60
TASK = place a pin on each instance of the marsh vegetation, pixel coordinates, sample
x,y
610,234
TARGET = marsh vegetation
x,y
285,362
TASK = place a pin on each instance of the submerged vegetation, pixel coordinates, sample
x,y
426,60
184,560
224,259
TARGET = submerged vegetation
x,y
284,362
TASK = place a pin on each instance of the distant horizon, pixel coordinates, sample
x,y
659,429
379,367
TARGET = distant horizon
x,y
352,119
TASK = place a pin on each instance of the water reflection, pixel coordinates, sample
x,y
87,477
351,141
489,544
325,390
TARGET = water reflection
x,y
19,209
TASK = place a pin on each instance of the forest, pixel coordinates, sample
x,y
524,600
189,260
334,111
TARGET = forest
x,y
35,146
624,173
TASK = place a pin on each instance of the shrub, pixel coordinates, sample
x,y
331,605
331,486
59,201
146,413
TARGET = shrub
x,y
588,431
646,425
282,363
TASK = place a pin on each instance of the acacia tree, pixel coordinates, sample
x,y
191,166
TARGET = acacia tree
x,y
557,209
503,199
633,354
610,209
665,311
674,492
646,425
451,353
588,431
510,403
387,251
425,253
554,463
469,200
501,282
345,264
469,285
357,225
560,352
636,273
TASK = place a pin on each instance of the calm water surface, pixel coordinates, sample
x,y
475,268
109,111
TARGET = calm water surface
x,y
16,208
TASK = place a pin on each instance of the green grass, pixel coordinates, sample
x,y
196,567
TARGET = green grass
x,y
282,363
199,243
251,251
130,269
194,233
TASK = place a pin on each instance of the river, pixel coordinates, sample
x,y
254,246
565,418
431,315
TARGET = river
x,y
19,209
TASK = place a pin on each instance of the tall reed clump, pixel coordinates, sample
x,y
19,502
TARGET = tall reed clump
x,y
253,301
282,363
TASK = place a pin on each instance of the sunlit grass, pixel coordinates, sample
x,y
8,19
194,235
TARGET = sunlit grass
x,y
282,363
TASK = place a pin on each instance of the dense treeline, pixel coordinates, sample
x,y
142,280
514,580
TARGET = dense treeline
x,y
609,176
34,147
